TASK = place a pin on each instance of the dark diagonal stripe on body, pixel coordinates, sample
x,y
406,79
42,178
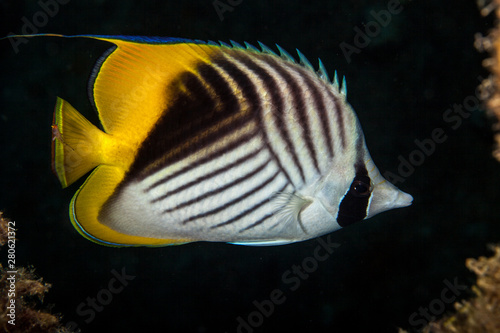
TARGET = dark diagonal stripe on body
x,y
234,201
340,117
166,135
273,89
297,104
206,176
245,212
298,98
320,107
220,189
267,216
193,121
244,84
206,159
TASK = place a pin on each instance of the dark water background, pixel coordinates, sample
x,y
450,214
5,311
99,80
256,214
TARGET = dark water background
x,y
400,84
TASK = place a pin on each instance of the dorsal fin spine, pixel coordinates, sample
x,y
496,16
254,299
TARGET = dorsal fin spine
x,y
323,74
285,55
236,45
343,90
223,44
266,49
335,81
303,60
251,47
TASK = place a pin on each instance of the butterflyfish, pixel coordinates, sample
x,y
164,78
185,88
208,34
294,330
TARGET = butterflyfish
x,y
206,141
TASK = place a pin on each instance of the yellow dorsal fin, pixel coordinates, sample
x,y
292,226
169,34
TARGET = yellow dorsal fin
x,y
136,76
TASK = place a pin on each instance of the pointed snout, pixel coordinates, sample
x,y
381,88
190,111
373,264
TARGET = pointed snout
x,y
386,196
402,200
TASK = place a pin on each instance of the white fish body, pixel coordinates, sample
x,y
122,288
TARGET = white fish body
x,y
223,143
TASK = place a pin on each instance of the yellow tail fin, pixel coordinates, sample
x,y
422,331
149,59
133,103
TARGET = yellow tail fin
x,y
75,143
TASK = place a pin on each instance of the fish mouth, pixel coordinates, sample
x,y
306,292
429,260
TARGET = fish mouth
x,y
402,200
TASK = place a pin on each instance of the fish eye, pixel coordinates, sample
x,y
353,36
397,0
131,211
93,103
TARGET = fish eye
x,y
360,189
360,186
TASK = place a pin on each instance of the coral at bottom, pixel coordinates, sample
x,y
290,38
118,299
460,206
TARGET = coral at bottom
x,y
21,295
481,313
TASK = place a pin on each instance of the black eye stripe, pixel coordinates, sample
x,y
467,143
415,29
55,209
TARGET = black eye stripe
x,y
354,205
